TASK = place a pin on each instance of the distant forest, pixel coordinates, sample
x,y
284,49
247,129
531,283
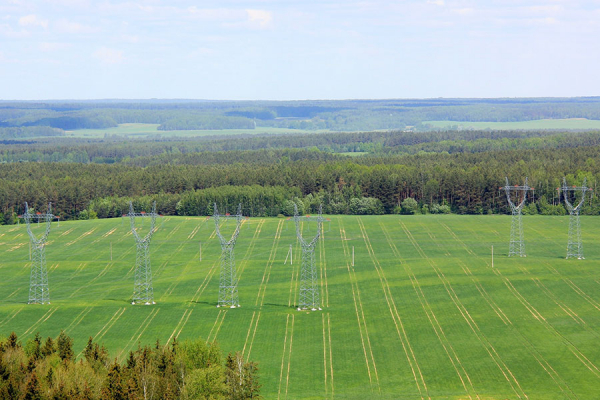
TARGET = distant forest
x,y
437,172
333,115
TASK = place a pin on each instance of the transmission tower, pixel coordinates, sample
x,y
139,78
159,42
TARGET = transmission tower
x,y
517,244
38,281
309,285
142,287
228,292
574,246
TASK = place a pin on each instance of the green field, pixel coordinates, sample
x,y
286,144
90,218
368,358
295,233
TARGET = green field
x,y
422,314
149,130
539,124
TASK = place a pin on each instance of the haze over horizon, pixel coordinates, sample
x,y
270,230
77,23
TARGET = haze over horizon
x,y
273,50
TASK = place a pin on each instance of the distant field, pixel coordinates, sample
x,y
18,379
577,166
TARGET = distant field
x,y
147,130
354,153
421,315
572,123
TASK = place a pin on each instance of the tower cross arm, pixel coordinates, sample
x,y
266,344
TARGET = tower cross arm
x,y
47,218
583,189
152,215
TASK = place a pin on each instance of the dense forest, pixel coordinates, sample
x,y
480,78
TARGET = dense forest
x,y
334,115
365,172
265,181
49,370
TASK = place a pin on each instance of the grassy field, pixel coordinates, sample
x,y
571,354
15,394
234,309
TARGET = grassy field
x,y
540,124
422,314
149,130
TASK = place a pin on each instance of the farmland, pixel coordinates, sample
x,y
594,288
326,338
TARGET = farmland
x,y
138,131
421,314
564,123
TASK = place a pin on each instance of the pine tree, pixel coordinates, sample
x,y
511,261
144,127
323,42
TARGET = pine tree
x,y
113,388
65,346
32,390
49,347
12,341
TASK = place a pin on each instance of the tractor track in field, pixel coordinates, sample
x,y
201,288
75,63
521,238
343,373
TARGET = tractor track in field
x,y
556,378
10,316
90,283
541,319
439,331
546,366
323,269
360,315
217,326
84,234
260,297
250,248
486,344
139,332
179,327
494,306
327,356
391,303
105,235
107,326
14,293
40,321
77,320
287,353
188,311
262,289
574,287
249,340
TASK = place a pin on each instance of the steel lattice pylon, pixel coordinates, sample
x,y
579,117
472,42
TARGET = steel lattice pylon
x,y
309,281
574,246
228,292
517,243
38,281
143,291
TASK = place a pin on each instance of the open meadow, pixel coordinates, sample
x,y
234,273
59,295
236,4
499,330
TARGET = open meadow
x,y
422,314
139,131
536,124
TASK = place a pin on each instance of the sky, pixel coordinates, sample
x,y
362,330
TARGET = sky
x,y
298,49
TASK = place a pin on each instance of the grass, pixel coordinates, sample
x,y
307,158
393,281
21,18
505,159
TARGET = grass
x,y
421,314
568,124
135,130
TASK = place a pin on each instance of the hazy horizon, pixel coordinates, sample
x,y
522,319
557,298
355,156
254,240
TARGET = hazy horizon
x,y
273,50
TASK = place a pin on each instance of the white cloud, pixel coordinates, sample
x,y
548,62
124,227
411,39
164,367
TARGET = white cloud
x,y
53,46
108,56
260,18
465,11
436,2
65,26
215,14
130,38
8,31
33,20
69,3
545,9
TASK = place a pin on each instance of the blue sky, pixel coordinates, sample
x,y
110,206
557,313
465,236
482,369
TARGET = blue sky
x,y
289,49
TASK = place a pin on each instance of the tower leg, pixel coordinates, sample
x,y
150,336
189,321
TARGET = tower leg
x,y
517,243
309,289
228,292
143,291
38,282
574,246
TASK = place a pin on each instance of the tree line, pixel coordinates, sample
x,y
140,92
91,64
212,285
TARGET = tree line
x,y
261,147
335,115
49,370
468,183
